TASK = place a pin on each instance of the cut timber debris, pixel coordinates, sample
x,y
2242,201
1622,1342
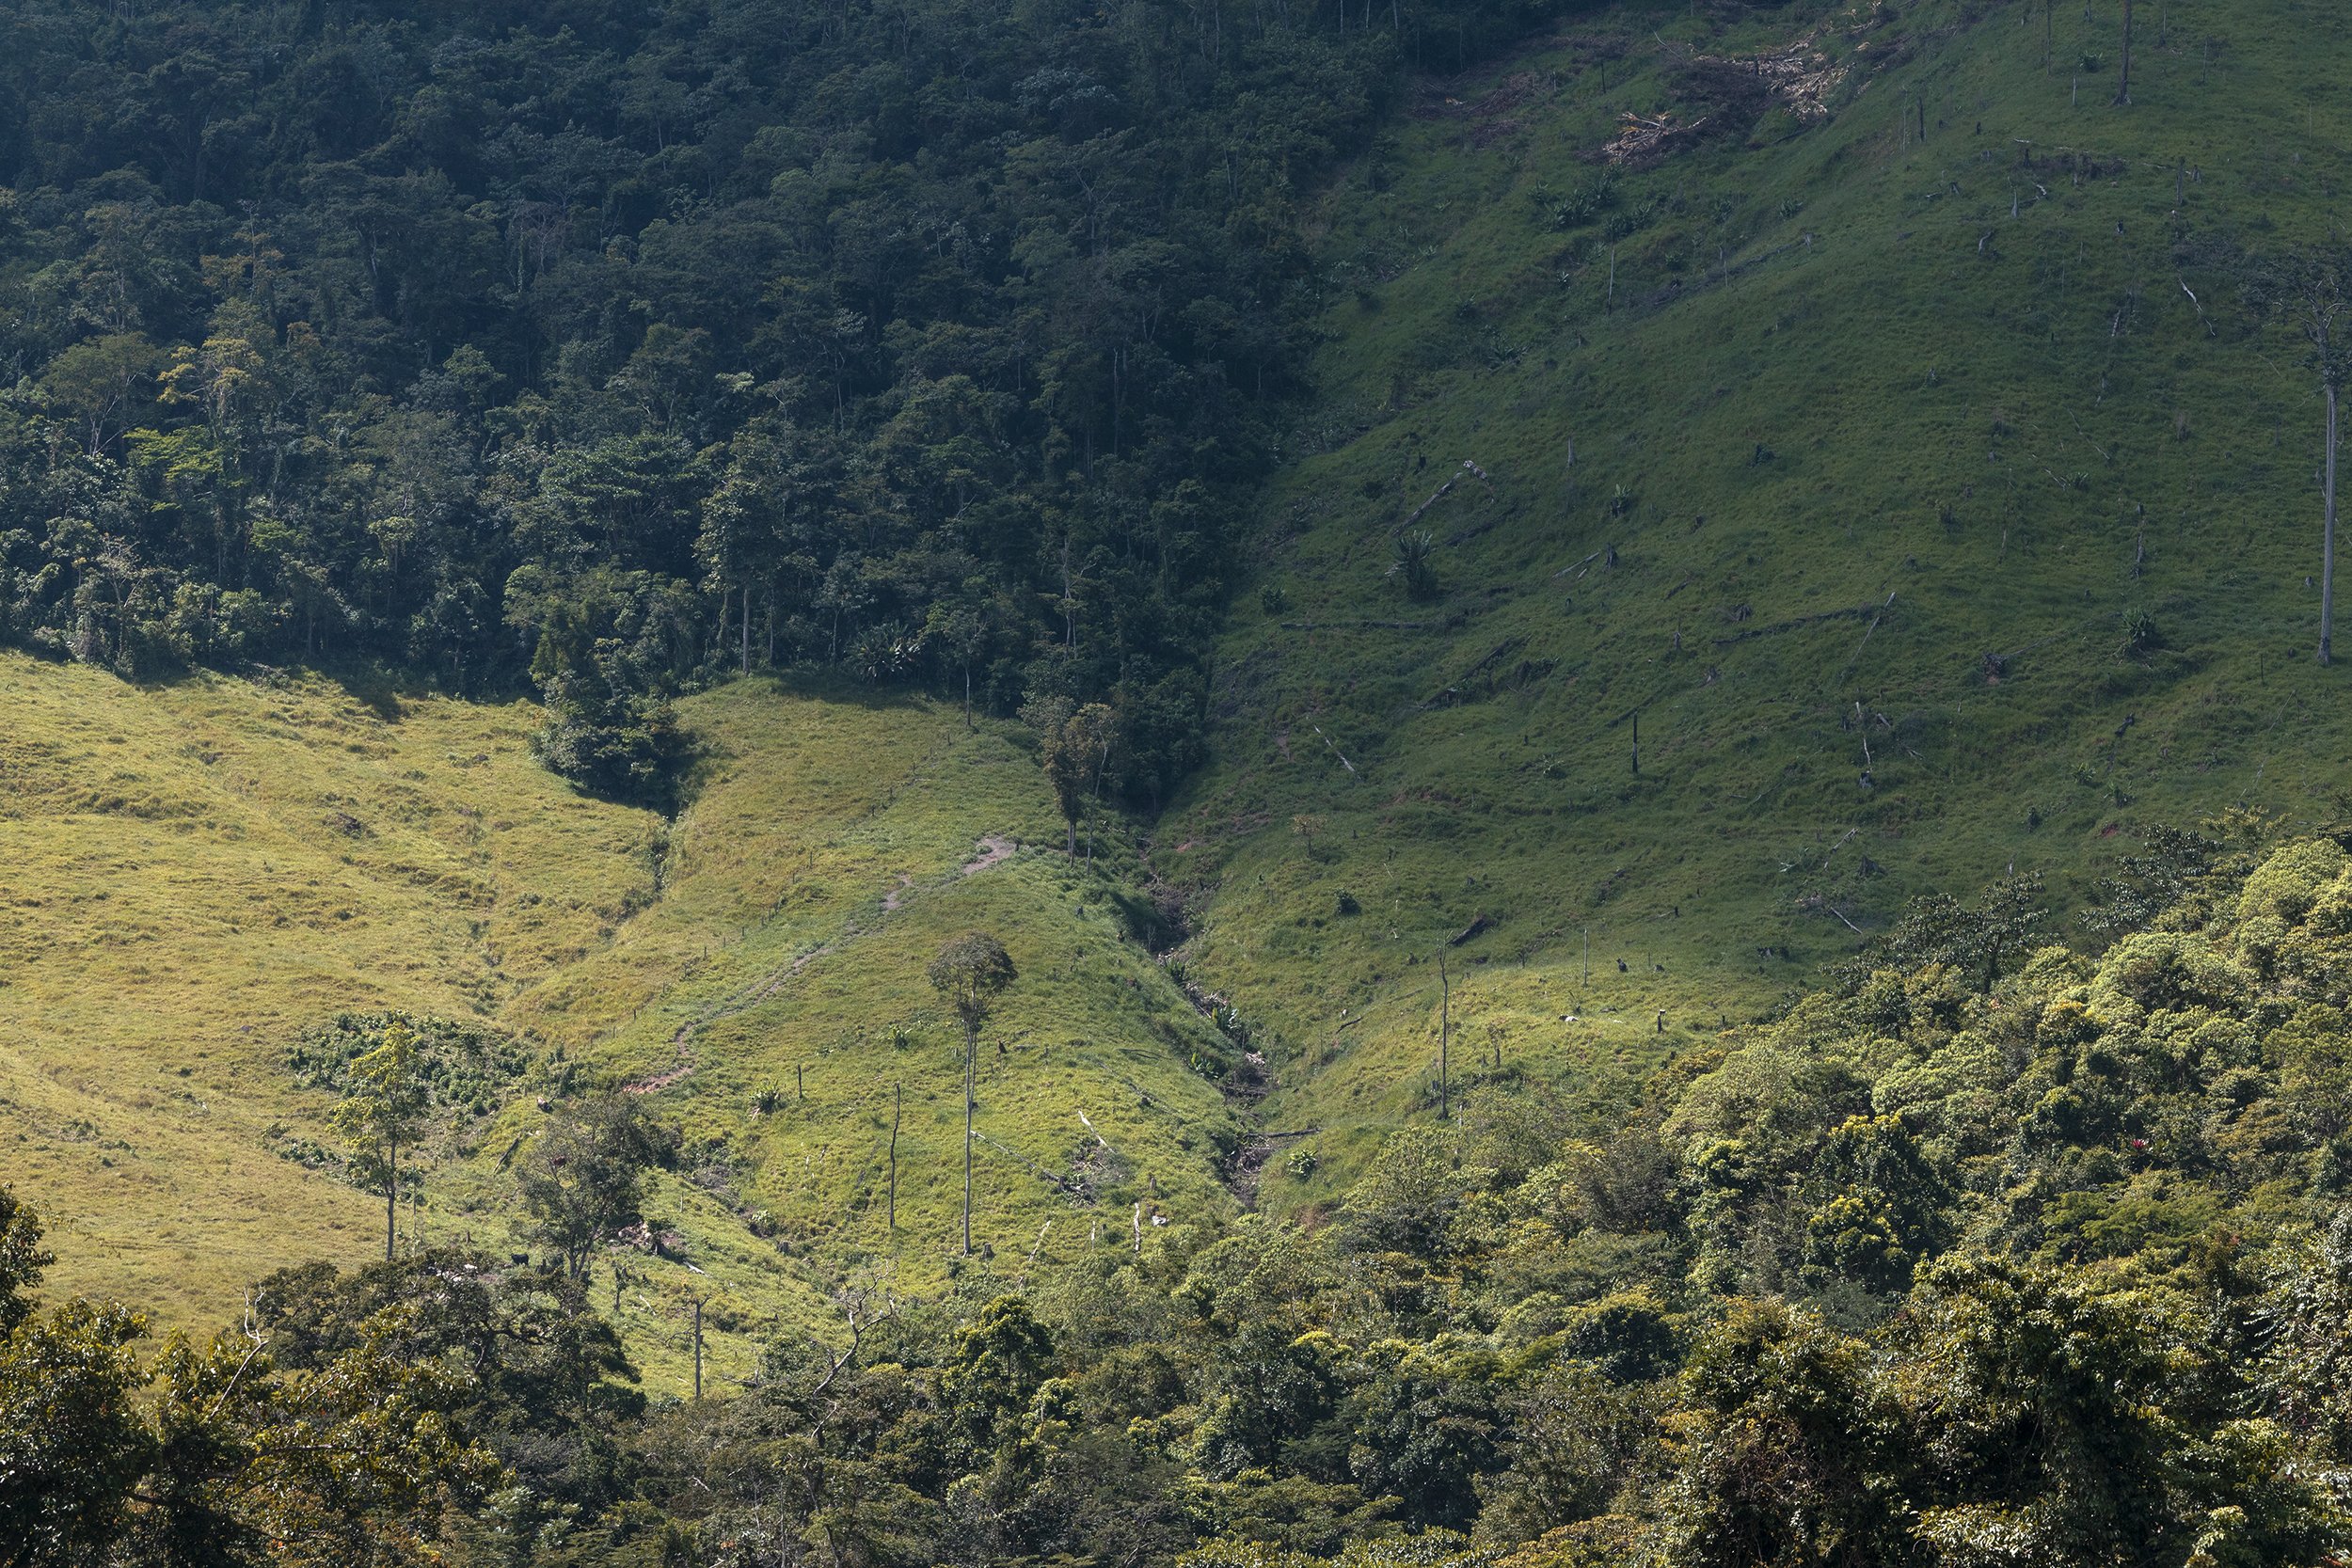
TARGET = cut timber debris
x,y
1640,139
1802,78
1481,924
1452,691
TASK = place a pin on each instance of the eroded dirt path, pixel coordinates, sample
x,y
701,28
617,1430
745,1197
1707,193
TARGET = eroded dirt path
x,y
993,849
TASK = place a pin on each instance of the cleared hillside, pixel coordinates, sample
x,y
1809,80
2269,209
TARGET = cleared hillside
x,y
1935,505
200,872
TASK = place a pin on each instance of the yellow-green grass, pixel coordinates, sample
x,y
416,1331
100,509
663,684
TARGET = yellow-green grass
x,y
1837,373
832,847
198,872
195,873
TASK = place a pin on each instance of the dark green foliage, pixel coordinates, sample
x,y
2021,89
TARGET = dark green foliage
x,y
550,1389
340,1447
466,1069
1416,566
22,1260
624,346
1939,929
1879,1205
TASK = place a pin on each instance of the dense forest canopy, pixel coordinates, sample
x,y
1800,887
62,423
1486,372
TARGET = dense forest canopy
x,y
614,345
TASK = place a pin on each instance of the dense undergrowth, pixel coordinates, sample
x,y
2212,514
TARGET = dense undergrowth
x,y
1992,1253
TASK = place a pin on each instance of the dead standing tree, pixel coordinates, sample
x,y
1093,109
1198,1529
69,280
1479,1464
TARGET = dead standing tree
x,y
2321,307
2310,291
2123,89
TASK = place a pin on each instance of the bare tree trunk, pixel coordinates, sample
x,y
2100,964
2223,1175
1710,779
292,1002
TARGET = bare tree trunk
x,y
897,1109
747,628
391,1181
2328,537
1445,1038
2123,93
971,1050
698,1347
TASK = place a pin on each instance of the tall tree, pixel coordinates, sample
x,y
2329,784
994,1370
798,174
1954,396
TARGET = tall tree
x,y
971,971
2323,302
1074,744
2124,88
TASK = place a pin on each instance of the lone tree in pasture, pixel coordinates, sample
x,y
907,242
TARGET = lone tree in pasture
x,y
1074,745
584,1179
384,1110
971,971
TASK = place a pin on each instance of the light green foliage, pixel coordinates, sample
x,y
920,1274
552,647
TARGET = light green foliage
x,y
769,943
382,1110
201,876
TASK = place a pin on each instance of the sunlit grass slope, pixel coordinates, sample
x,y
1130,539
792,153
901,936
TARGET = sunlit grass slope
x,y
190,875
1773,445
774,1003
196,873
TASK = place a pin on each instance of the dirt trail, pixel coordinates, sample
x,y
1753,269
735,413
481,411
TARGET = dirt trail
x,y
995,849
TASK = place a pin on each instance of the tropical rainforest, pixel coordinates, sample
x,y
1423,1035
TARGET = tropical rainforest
x,y
1458,784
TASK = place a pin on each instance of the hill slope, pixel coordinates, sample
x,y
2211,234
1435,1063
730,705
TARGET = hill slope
x,y
202,872
1931,504
1823,450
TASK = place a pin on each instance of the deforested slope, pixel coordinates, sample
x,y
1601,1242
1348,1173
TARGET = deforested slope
x,y
1772,462
203,876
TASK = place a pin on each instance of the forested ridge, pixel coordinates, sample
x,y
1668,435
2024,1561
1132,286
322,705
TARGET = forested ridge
x,y
1991,1250
615,346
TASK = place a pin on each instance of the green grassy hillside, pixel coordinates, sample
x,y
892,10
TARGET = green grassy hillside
x,y
1820,448
196,873
200,872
